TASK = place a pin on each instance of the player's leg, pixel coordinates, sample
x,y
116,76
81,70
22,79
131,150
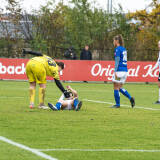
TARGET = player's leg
x,y
116,95
77,104
116,85
123,76
158,102
40,76
60,103
32,93
42,91
159,89
32,82
57,106
126,93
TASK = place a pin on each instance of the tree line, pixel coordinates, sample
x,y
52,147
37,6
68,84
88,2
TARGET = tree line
x,y
53,28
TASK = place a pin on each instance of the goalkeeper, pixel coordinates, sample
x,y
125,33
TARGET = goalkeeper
x,y
71,103
37,69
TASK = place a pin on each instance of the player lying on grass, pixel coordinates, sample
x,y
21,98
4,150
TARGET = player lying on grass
x,y
71,103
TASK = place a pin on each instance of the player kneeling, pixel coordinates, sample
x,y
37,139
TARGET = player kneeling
x,y
71,103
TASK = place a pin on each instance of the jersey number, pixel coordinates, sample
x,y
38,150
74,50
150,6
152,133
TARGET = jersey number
x,y
124,57
51,62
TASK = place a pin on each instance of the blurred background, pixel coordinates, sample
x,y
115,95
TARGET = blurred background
x,y
51,27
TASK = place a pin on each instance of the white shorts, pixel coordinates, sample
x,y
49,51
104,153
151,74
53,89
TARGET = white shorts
x,y
69,106
122,76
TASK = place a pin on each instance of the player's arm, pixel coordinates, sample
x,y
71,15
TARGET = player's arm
x,y
156,65
24,52
117,59
60,86
62,97
73,91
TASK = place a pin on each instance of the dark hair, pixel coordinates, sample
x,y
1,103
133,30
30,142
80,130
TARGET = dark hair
x,y
61,64
71,48
71,93
120,39
86,45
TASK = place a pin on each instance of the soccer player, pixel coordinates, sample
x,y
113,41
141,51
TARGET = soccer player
x,y
37,69
156,66
120,71
71,103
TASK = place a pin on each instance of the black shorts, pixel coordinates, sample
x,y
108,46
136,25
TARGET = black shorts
x,y
159,77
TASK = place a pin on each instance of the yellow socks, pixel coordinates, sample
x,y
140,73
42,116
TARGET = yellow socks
x,y
41,95
32,95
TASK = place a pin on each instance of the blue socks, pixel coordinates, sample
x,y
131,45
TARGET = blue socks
x,y
125,93
58,105
76,101
117,97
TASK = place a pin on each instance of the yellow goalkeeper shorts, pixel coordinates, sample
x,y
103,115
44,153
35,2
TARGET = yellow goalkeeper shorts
x,y
36,72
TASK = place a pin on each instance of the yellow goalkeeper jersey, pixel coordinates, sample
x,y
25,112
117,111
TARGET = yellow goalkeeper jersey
x,y
49,64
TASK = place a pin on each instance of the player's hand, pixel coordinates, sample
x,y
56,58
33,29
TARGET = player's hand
x,y
116,75
66,94
24,52
68,87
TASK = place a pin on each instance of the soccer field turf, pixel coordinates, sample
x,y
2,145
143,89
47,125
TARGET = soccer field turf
x,y
95,132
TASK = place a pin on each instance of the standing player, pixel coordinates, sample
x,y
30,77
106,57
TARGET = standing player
x,y
37,69
158,65
71,103
120,72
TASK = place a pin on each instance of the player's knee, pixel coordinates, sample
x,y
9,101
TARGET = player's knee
x,y
42,85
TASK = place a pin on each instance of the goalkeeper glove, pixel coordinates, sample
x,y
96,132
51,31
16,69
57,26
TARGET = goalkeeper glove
x,y
24,52
66,94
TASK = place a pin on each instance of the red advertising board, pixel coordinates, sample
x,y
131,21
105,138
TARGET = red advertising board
x,y
78,70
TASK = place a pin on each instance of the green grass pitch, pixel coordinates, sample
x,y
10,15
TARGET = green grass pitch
x,y
124,134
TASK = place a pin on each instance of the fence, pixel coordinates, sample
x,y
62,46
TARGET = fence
x,y
97,54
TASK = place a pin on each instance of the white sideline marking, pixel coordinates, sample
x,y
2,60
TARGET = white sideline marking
x,y
113,91
121,105
35,151
101,150
13,97
20,97
39,153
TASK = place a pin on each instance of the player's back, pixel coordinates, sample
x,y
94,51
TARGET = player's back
x,y
40,60
122,53
49,64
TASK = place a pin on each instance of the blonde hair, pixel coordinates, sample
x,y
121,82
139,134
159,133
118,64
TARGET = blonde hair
x,y
120,39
